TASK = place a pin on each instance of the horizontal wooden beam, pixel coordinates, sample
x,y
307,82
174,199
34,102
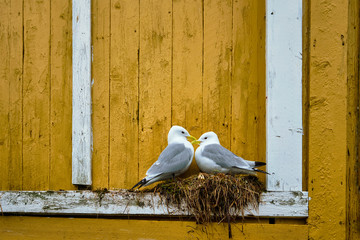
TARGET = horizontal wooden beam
x,y
124,203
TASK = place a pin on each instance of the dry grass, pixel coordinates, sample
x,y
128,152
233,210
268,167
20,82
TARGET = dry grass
x,y
213,197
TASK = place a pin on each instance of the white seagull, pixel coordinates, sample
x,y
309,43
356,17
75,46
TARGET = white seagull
x,y
174,160
211,157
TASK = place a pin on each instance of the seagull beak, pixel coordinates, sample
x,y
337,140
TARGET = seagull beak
x,y
196,142
192,138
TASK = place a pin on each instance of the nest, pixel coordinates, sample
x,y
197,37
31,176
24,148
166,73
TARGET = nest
x,y
213,197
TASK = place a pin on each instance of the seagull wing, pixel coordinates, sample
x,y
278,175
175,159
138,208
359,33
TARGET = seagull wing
x,y
172,160
223,157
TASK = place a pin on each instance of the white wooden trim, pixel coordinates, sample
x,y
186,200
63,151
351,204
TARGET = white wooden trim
x,y
81,114
284,95
124,203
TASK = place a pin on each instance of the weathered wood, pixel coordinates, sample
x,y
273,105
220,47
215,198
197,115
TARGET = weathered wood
x,y
261,98
284,95
100,20
353,124
124,92
328,135
124,203
15,88
81,100
187,68
5,95
154,80
61,102
98,228
305,92
248,80
36,95
217,68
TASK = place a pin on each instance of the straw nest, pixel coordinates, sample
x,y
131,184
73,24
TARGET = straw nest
x,y
211,198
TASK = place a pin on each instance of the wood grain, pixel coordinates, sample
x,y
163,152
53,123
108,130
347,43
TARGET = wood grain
x,y
247,77
36,95
124,91
85,228
5,95
100,19
187,77
124,203
154,80
61,96
217,69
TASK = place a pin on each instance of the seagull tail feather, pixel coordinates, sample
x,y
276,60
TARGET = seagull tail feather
x,y
140,184
258,170
259,164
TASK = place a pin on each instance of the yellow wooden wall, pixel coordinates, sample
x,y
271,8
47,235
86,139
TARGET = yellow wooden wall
x,y
203,63
35,98
160,63
198,64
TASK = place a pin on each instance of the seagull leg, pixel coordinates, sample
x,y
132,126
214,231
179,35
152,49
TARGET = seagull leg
x,y
173,177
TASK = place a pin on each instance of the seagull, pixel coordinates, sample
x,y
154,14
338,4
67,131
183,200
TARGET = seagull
x,y
211,157
174,160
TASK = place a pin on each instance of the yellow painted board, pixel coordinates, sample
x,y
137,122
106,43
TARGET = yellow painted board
x,y
217,69
261,74
154,80
100,19
11,46
15,89
187,68
247,81
327,119
61,96
124,65
353,124
85,228
36,95
5,95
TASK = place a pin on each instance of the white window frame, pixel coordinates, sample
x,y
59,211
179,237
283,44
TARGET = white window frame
x,y
284,198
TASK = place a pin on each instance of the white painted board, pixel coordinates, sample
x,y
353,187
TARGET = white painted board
x,y
284,95
81,98
124,203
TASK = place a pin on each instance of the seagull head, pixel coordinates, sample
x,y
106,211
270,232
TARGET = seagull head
x,y
177,133
207,138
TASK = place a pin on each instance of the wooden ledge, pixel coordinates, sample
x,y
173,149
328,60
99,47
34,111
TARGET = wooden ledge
x,y
124,203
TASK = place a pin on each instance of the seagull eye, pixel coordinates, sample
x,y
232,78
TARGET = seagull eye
x,y
205,137
182,132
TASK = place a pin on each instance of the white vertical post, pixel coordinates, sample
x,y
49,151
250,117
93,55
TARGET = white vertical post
x,y
284,95
81,114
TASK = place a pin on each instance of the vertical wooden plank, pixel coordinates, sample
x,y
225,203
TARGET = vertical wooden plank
x,y
284,95
15,89
261,85
353,124
327,119
246,80
36,95
187,68
154,80
5,95
61,102
81,114
100,24
124,77
217,68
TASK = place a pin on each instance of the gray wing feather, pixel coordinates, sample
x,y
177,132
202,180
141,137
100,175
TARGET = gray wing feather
x,y
173,159
223,157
